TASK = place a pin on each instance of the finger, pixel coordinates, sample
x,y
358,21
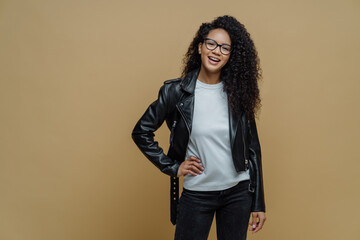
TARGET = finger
x,y
254,221
250,226
190,162
197,165
195,159
191,166
260,225
191,172
195,169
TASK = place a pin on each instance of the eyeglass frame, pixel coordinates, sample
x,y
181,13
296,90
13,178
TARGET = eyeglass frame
x,y
218,45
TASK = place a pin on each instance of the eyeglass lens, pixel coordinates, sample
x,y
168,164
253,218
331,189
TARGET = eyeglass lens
x,y
212,44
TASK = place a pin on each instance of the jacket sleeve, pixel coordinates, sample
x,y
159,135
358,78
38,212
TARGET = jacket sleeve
x,y
258,204
143,134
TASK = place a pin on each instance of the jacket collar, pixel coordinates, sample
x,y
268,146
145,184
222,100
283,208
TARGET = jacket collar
x,y
189,82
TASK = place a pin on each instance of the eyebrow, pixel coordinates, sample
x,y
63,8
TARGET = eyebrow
x,y
217,42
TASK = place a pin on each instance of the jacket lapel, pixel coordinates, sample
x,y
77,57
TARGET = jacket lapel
x,y
186,104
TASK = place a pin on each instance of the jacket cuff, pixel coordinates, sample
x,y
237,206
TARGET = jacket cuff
x,y
172,170
258,210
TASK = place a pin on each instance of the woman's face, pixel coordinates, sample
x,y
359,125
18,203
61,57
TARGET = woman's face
x,y
212,61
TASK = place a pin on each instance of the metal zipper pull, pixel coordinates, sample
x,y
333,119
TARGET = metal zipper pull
x,y
172,132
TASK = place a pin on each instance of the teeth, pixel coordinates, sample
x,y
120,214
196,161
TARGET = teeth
x,y
214,59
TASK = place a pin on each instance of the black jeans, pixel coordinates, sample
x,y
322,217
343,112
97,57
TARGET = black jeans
x,y
196,211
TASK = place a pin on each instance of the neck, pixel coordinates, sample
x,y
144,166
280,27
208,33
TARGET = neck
x,y
209,77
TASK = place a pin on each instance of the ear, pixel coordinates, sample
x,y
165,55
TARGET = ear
x,y
199,48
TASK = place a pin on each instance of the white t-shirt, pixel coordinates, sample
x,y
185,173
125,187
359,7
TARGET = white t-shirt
x,y
210,141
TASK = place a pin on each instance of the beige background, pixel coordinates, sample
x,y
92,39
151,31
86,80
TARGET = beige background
x,y
76,75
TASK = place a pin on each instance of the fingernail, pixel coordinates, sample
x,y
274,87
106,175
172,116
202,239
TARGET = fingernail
x,y
254,226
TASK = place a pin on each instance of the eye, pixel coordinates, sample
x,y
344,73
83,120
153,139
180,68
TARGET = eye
x,y
227,48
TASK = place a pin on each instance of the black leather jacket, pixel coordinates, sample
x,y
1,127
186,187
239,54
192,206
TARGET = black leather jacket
x,y
175,105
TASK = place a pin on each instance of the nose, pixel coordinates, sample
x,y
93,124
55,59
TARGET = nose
x,y
217,50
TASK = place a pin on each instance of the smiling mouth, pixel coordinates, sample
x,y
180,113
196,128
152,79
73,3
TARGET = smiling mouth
x,y
214,59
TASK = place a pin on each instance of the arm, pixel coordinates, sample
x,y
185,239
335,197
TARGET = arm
x,y
258,205
143,134
255,156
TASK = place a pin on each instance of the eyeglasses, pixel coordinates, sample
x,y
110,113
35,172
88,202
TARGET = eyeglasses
x,y
212,45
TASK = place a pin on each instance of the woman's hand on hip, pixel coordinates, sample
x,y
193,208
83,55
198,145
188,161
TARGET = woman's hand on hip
x,y
190,166
255,226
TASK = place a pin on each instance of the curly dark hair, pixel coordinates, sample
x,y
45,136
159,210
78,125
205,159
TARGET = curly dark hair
x,y
241,73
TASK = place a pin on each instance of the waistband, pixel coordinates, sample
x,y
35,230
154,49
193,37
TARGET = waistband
x,y
241,184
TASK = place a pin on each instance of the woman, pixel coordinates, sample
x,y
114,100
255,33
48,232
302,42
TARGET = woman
x,y
214,144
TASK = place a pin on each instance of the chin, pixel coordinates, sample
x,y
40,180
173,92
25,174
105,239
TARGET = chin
x,y
212,69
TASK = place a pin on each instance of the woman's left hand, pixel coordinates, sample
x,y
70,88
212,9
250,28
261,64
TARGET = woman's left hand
x,y
255,226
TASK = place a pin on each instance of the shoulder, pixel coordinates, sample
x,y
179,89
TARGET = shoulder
x,y
173,81
171,86
170,91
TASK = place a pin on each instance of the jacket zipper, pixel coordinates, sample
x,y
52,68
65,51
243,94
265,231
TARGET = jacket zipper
x,y
251,186
246,160
187,126
172,132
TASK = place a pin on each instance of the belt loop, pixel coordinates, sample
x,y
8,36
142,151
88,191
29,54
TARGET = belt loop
x,y
251,187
